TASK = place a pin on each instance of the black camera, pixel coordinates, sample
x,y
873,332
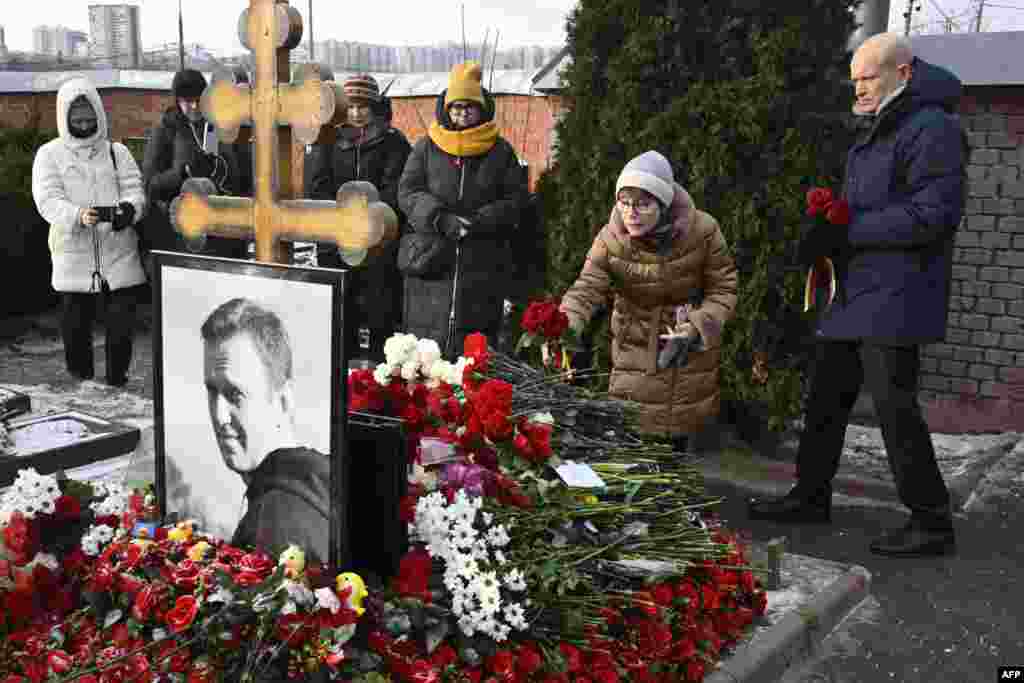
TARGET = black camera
x,y
105,213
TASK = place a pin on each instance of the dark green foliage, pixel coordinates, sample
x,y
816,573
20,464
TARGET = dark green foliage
x,y
745,99
24,256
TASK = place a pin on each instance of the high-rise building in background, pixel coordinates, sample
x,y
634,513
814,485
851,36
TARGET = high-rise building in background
x,y
3,45
116,35
59,41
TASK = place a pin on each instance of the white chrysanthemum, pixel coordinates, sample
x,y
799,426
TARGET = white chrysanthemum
x,y
410,370
515,615
103,533
400,348
427,352
382,374
497,536
515,580
222,595
543,418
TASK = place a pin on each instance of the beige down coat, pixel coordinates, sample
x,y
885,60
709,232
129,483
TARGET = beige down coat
x,y
647,286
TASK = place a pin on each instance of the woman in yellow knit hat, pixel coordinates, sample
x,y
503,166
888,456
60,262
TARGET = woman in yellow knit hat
x,y
463,186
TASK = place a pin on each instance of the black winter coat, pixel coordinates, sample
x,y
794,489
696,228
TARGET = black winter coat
x,y
289,502
490,190
905,182
376,288
173,143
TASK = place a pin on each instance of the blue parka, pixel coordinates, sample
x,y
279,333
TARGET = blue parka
x,y
906,183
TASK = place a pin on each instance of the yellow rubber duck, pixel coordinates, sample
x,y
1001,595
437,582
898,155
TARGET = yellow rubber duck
x,y
357,591
197,552
182,531
293,559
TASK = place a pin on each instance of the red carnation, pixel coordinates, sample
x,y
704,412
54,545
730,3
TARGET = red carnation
x,y
21,537
475,345
818,200
529,660
838,212
67,507
573,658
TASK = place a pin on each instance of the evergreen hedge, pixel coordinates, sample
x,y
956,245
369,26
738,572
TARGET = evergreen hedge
x,y
747,100
24,255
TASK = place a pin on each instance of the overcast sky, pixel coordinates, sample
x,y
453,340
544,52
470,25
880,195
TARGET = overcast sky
x,y
401,22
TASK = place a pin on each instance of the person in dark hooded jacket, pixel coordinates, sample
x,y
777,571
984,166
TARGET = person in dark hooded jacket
x,y
176,151
247,368
370,149
905,184
462,181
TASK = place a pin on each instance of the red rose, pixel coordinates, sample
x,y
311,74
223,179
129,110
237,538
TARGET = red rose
x,y
522,444
248,579
413,417
257,563
67,507
502,663
74,561
556,324
760,603
540,439
21,537
295,630
422,671
126,583
709,596
138,667
14,678
606,676
573,658
102,579
182,614
185,575
35,669
818,199
119,634
497,427
59,661
147,599
838,212
684,649
444,656
529,660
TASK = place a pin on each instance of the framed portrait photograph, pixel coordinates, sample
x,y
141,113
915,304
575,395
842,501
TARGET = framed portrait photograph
x,y
250,402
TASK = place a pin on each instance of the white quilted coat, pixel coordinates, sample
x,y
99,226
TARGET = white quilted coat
x,y
69,174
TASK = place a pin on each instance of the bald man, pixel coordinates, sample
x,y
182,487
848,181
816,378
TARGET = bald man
x,y
905,182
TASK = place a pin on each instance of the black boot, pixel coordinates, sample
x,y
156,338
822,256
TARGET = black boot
x,y
795,507
917,540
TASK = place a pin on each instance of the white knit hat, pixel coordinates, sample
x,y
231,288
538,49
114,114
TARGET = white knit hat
x,y
650,172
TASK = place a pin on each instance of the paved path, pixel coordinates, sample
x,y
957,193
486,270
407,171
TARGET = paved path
x,y
949,620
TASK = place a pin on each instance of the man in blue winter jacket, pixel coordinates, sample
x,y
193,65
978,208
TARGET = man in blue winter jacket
x,y
905,183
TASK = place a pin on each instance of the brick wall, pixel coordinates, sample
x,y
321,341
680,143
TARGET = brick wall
x,y
975,380
526,122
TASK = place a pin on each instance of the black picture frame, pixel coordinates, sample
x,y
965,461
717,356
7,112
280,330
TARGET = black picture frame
x,y
302,293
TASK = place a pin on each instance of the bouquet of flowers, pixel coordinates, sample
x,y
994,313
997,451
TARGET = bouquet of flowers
x,y
544,322
89,592
825,210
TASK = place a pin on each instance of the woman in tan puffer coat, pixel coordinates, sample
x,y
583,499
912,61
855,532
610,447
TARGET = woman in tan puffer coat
x,y
668,267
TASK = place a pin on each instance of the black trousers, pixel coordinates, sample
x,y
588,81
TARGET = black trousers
x,y
891,375
79,314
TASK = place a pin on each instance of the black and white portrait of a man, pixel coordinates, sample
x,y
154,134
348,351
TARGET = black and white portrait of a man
x,y
246,388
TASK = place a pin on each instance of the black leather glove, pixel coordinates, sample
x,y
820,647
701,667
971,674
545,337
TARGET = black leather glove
x,y
676,352
821,241
202,165
124,216
453,225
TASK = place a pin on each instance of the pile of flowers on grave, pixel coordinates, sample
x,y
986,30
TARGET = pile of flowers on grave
x,y
547,543
92,590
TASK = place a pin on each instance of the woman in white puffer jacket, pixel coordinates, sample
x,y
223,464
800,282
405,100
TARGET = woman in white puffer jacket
x,y
93,259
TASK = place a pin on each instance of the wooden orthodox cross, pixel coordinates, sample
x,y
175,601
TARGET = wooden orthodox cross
x,y
277,111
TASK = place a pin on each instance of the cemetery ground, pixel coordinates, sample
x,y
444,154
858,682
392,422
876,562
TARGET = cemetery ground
x,y
952,619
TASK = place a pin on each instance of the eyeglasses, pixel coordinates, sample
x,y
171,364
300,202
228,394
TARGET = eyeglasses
x,y
642,206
